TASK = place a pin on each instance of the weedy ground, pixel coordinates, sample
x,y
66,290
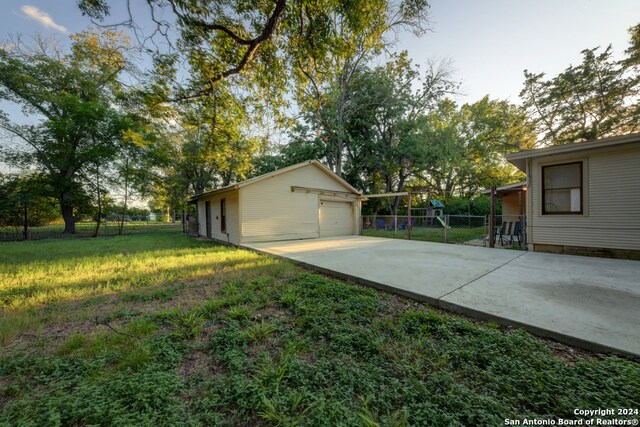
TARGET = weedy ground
x,y
165,329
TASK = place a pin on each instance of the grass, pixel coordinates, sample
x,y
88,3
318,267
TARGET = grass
x,y
65,279
430,234
213,335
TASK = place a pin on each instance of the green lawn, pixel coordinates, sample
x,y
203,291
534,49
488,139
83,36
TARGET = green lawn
x,y
431,234
213,335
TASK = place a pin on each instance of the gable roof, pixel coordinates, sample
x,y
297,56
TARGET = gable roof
x,y
259,178
519,159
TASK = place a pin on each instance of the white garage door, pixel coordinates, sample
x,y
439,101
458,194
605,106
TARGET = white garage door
x,y
336,218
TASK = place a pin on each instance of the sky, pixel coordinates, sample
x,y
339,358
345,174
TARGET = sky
x,y
490,42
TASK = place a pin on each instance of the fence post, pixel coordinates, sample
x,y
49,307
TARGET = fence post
x,y
27,232
395,223
409,218
484,227
492,218
446,228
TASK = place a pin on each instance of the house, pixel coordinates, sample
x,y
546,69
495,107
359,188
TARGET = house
x,y
303,201
513,198
584,198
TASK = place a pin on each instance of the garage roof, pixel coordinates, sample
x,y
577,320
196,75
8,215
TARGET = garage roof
x,y
259,178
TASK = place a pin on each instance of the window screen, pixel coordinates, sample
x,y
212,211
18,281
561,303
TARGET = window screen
x,y
562,189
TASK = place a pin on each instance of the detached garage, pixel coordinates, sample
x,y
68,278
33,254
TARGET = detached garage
x,y
303,201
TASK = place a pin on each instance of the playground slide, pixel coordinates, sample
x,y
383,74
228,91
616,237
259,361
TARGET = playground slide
x,y
439,218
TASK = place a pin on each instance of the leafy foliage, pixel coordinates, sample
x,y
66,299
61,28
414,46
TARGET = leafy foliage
x,y
187,326
72,97
32,192
594,99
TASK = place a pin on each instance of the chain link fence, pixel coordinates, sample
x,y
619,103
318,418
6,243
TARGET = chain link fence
x,y
87,229
461,229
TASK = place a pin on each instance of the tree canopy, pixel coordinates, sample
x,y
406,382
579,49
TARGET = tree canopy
x,y
72,97
594,99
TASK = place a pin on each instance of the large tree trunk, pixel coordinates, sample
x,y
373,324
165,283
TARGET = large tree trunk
x,y
66,209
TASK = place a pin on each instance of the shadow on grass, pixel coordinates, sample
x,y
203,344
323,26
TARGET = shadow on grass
x,y
66,281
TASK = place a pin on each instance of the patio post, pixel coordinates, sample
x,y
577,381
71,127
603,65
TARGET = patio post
x,y
492,218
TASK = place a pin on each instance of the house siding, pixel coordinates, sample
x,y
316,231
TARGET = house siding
x,y
611,202
201,218
232,234
512,206
271,211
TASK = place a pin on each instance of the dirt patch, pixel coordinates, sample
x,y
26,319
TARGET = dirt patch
x,y
194,362
569,354
199,360
270,312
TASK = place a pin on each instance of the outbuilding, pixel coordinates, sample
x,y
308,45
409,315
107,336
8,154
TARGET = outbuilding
x,y
583,198
303,201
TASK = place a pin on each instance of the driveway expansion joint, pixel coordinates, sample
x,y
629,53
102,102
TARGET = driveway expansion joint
x,y
481,276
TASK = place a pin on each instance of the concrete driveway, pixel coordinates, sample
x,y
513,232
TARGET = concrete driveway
x,y
589,302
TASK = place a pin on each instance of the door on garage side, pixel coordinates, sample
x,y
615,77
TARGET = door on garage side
x,y
336,218
207,216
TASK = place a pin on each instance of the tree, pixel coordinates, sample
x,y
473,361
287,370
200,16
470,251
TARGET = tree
x,y
26,201
594,99
72,97
466,145
257,41
209,144
325,79
633,51
384,114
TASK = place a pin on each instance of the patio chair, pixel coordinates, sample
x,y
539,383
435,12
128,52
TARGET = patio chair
x,y
381,224
405,224
510,231
517,232
500,232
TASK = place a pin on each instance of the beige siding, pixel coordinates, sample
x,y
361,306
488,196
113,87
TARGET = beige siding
x,y
271,211
201,219
511,206
232,234
611,202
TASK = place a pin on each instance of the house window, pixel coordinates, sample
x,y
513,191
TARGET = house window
x,y
562,189
223,216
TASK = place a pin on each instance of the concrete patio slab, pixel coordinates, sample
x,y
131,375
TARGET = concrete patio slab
x,y
421,269
588,302
571,298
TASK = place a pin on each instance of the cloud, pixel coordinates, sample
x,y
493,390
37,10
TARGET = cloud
x,y
42,17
